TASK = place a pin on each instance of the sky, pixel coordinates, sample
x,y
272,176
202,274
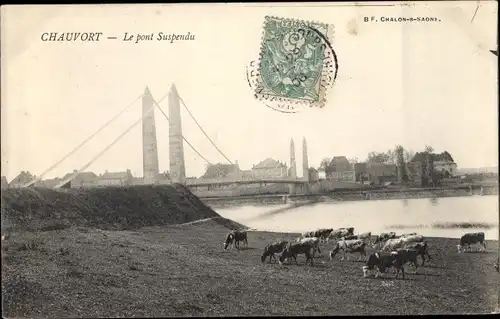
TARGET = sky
x,y
410,84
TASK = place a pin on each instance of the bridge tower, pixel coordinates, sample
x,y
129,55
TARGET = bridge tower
x,y
292,173
149,143
305,161
176,143
305,166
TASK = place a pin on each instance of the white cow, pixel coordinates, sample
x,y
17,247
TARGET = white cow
x,y
396,243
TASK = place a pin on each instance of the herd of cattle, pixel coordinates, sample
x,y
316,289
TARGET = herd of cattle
x,y
392,251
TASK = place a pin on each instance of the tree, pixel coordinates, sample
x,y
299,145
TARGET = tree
x,y
325,165
399,152
376,157
429,167
409,155
392,157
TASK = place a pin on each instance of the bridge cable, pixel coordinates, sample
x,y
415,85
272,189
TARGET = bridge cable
x,y
203,131
107,147
81,144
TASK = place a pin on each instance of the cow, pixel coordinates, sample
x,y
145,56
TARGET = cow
x,y
323,234
341,232
272,249
471,239
234,237
306,248
382,238
349,246
395,243
422,248
395,259
366,237
314,241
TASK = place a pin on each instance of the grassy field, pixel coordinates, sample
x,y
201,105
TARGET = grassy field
x,y
184,271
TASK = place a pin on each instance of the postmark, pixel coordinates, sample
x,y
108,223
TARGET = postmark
x,y
297,64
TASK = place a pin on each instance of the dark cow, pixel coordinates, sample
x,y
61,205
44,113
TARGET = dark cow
x,y
323,233
471,239
349,246
234,237
306,248
382,238
396,259
422,248
274,248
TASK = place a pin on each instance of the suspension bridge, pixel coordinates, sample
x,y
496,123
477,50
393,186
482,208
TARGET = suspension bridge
x,y
177,142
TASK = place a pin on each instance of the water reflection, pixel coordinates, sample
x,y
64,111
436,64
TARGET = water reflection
x,y
434,201
440,217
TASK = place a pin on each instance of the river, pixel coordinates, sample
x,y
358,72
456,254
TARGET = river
x,y
434,217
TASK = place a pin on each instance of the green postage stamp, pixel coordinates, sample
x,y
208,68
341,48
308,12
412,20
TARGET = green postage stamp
x,y
297,64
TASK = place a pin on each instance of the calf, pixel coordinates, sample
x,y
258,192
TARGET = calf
x,y
471,239
274,248
306,248
422,248
235,237
349,246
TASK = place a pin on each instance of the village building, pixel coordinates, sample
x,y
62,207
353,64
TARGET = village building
x,y
442,162
116,178
223,171
270,168
21,179
83,179
376,173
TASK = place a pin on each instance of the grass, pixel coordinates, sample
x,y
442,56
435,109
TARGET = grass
x,y
184,271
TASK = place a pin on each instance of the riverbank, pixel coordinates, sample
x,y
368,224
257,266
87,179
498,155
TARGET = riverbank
x,y
183,271
352,195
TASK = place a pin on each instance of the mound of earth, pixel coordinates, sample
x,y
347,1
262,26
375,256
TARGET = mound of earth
x,y
118,208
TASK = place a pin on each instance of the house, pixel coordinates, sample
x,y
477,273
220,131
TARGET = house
x,y
270,168
442,162
115,178
48,183
321,174
222,171
376,173
313,175
414,172
83,179
21,179
345,176
5,184
339,164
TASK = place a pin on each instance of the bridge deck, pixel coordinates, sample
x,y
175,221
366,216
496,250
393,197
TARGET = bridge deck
x,y
241,182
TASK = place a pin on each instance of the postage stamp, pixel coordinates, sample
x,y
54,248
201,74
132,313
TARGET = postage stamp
x,y
297,64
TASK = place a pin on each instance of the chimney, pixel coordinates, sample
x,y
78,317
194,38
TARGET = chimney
x,y
236,162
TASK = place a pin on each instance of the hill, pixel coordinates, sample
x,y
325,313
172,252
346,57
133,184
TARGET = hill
x,y
110,208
